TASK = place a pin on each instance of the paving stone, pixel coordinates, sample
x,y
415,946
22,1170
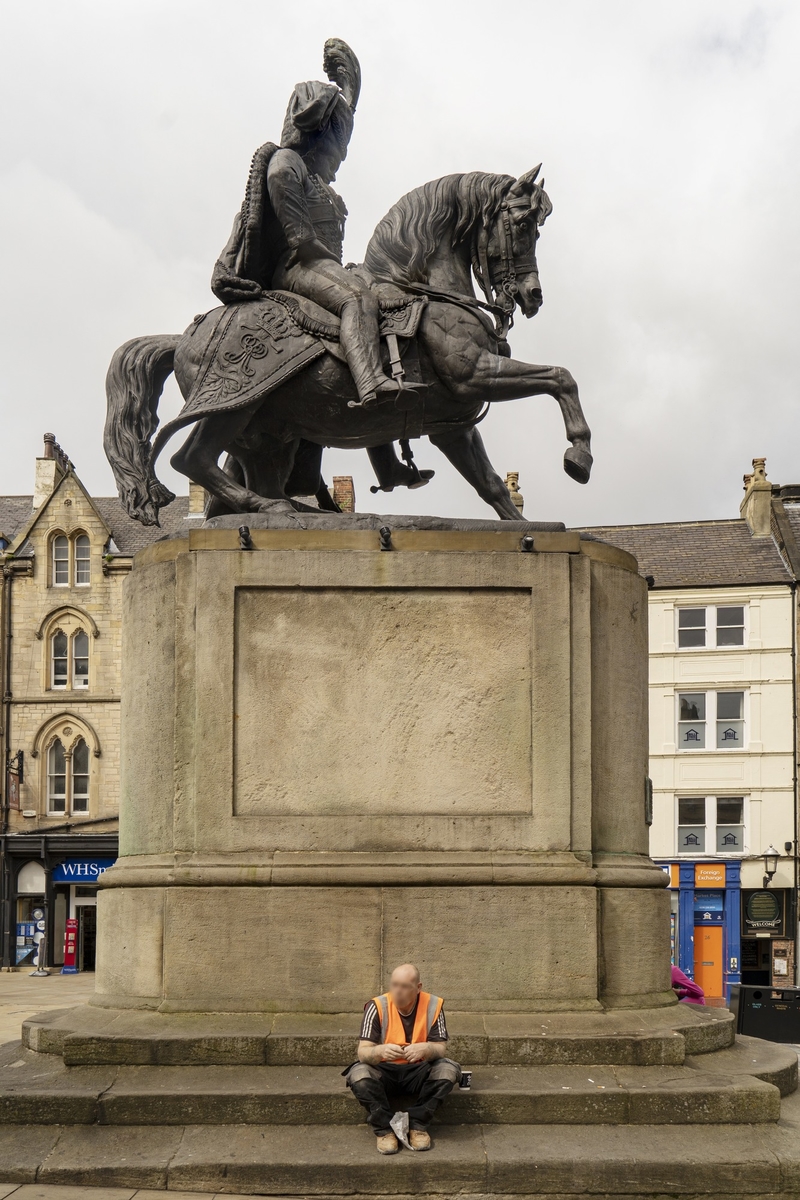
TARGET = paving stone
x,y
111,1156
7,1188
39,1089
313,1039
23,1148
324,1160
768,1061
38,1191
633,1161
160,1194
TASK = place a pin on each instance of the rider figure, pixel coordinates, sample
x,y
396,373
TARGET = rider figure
x,y
290,230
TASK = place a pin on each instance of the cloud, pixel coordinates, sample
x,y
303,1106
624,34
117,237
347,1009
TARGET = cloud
x,y
669,134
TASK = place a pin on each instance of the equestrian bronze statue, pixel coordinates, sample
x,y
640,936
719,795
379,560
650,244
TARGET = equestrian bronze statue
x,y
305,353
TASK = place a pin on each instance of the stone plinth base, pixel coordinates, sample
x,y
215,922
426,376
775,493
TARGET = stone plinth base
x,y
90,1035
336,758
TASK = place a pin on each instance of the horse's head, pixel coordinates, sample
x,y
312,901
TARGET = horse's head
x,y
511,244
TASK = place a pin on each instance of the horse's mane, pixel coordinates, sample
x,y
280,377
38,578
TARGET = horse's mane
x,y
405,239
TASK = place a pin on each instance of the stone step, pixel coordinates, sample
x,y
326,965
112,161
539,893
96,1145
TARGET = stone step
x,y
90,1035
40,1089
717,1162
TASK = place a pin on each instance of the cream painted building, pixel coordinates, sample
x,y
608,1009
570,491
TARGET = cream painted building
x,y
723,721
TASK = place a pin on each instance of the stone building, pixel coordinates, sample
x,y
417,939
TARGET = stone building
x,y
723,732
64,557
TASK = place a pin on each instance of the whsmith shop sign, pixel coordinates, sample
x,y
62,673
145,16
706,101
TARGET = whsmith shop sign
x,y
81,870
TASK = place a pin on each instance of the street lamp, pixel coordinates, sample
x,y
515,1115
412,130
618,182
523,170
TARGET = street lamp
x,y
771,857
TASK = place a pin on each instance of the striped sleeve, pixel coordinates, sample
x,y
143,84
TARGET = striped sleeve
x,y
371,1024
438,1030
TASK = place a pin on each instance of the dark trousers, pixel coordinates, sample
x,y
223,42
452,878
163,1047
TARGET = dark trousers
x,y
378,1088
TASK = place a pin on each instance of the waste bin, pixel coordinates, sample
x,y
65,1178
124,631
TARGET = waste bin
x,y
772,1013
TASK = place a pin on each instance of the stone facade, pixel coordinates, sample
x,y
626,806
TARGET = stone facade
x,y
64,558
723,635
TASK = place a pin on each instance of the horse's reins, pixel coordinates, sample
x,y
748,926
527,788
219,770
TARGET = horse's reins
x,y
500,295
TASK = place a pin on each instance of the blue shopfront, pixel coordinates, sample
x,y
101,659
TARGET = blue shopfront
x,y
706,924
50,884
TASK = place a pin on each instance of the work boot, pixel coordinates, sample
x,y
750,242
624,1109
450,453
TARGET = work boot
x,y
419,1139
388,1144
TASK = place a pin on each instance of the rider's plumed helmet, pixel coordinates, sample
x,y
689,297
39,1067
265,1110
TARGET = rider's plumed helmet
x,y
325,109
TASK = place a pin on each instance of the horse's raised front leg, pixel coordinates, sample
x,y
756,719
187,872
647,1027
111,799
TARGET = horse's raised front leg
x,y
467,453
465,360
509,379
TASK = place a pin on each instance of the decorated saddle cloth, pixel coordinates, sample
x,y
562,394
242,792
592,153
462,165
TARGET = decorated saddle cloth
x,y
240,352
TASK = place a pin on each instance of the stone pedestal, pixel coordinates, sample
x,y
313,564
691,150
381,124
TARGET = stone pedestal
x,y
337,758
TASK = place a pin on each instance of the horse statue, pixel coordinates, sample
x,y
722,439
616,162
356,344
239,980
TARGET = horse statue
x,y
265,381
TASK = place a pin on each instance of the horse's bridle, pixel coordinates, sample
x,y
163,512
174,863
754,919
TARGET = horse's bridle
x,y
501,295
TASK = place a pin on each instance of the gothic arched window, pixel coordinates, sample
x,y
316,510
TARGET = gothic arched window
x,y
68,778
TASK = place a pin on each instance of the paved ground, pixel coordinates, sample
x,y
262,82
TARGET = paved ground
x,y
38,1191
21,996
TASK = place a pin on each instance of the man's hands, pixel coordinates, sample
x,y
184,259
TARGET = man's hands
x,y
417,1052
392,1053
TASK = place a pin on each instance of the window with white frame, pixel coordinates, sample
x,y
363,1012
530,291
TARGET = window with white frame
x,y
711,825
61,561
69,660
711,721
83,561
59,659
80,777
67,778
80,659
71,560
56,778
713,626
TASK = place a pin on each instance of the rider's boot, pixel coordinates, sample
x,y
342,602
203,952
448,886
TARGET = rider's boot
x,y
359,339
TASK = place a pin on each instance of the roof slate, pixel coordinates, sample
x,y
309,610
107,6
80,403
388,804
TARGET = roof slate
x,y
699,553
14,512
129,536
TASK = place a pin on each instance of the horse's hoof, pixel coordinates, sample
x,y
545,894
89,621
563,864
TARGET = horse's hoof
x,y
578,464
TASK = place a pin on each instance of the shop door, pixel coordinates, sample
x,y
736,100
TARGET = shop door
x,y
87,936
708,959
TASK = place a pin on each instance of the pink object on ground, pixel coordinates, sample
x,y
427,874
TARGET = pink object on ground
x,y
686,989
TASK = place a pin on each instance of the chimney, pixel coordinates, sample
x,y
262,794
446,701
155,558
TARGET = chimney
x,y
344,492
197,499
50,470
512,483
756,508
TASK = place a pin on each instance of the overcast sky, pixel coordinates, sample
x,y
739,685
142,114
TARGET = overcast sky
x,y
670,268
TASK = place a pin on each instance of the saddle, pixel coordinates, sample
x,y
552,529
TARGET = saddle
x,y
399,320
237,354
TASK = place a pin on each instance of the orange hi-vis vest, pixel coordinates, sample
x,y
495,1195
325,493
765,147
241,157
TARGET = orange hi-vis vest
x,y
428,1009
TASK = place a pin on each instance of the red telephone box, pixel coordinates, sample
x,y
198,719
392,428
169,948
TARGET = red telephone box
x,y
70,966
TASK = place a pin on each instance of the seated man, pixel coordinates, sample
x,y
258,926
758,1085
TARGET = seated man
x,y
402,1051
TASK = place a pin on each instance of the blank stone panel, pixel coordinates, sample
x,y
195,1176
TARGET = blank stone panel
x,y
342,707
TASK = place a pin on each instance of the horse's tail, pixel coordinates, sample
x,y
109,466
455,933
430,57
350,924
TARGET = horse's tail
x,y
134,383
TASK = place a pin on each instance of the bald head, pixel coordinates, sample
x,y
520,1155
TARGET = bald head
x,y
405,986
